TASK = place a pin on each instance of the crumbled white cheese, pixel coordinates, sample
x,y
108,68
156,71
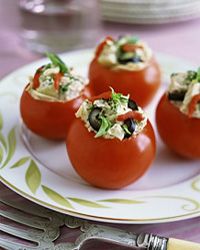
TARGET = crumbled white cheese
x,y
177,82
108,55
122,109
194,89
84,110
101,104
116,131
51,71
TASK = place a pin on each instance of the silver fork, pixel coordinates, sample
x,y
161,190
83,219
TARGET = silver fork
x,y
43,228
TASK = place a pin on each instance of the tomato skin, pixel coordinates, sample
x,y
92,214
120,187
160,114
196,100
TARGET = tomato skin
x,y
142,85
110,163
50,119
178,131
36,77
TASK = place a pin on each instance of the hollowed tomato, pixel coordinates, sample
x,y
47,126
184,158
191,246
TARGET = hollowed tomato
x,y
110,163
142,85
177,130
50,119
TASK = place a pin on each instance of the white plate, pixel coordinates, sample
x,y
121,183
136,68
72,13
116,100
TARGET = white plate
x,y
39,169
148,13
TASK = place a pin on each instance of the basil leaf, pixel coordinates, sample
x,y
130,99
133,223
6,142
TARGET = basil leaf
x,y
58,62
105,125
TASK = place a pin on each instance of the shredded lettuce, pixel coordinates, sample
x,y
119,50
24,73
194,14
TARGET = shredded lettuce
x,y
105,125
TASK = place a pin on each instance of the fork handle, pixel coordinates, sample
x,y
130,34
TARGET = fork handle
x,y
128,239
174,244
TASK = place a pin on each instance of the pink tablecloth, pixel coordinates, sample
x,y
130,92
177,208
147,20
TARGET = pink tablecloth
x,y
181,40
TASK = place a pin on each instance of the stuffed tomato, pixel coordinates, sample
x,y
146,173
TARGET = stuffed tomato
x,y
49,102
128,66
178,114
111,143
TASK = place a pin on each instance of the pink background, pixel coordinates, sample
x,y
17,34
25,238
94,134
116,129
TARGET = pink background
x,y
181,39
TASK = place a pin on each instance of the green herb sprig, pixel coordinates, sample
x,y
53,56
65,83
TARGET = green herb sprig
x,y
57,62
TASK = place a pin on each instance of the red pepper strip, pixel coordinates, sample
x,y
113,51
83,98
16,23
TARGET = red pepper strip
x,y
105,95
57,78
131,114
192,104
102,44
129,47
36,82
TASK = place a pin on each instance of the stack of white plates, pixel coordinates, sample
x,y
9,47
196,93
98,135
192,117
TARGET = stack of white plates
x,y
149,11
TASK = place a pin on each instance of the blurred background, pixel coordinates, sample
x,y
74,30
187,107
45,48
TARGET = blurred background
x,y
29,28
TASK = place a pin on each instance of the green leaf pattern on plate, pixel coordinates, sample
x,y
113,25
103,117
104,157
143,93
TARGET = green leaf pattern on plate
x,y
56,197
87,203
1,121
33,177
196,184
3,141
1,154
20,162
122,201
11,146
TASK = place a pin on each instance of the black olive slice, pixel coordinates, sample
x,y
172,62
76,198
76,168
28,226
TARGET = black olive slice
x,y
134,59
132,104
131,127
176,96
94,120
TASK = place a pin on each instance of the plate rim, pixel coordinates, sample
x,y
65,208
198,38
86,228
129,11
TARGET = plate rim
x,y
98,218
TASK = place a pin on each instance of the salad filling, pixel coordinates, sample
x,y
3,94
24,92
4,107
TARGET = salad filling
x,y
112,116
56,82
184,92
127,53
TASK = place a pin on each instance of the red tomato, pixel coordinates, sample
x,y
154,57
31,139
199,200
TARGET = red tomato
x,y
110,163
50,119
177,130
141,85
